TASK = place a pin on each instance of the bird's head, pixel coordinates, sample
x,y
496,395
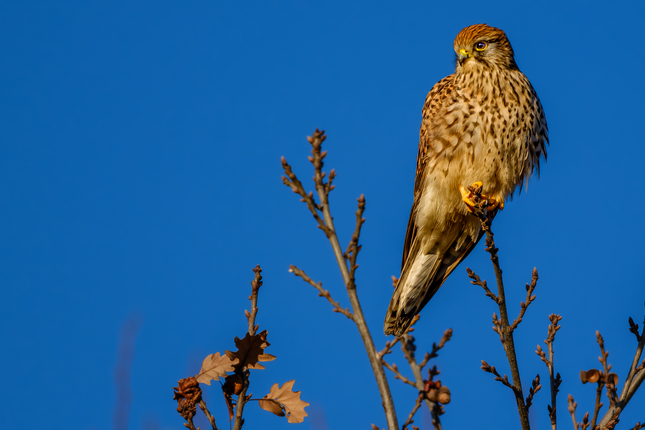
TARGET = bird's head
x,y
483,47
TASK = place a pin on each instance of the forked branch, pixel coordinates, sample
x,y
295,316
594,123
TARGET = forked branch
x,y
346,260
501,324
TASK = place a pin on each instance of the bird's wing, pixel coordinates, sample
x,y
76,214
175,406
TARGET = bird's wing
x,y
425,149
427,261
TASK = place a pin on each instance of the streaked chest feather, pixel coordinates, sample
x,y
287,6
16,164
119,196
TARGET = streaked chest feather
x,y
486,127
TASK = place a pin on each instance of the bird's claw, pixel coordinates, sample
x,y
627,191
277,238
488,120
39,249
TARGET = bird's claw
x,y
480,205
472,195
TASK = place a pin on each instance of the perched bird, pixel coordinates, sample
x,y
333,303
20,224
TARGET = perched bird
x,y
482,125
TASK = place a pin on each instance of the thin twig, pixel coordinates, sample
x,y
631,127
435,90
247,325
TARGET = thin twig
x,y
477,281
634,378
210,417
611,390
447,335
353,248
189,423
408,347
613,420
397,374
326,224
322,292
255,288
242,398
529,299
390,344
535,387
509,344
417,405
639,350
597,404
498,328
501,325
554,379
572,410
292,181
504,380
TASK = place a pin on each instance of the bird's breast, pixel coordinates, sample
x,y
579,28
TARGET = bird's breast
x,y
485,132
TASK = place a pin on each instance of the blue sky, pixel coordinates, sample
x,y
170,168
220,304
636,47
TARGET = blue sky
x,y
140,179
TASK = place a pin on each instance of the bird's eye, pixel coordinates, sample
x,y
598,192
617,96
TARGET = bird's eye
x,y
480,46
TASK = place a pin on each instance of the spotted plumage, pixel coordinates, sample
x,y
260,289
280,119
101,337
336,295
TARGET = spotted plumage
x,y
482,123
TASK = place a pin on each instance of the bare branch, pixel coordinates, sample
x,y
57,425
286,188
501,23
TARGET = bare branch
x,y
477,281
509,344
572,410
323,293
501,325
255,288
597,404
408,347
353,248
629,389
243,372
435,348
634,378
529,299
417,405
210,417
585,421
189,424
535,387
611,388
554,379
326,223
633,327
504,380
291,180
613,420
397,374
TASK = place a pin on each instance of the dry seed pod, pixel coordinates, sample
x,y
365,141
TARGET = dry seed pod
x,y
612,379
591,375
444,395
433,394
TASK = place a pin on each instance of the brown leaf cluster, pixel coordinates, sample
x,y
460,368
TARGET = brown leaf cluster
x,y
283,399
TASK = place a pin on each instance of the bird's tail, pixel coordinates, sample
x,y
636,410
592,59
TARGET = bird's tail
x,y
410,294
422,275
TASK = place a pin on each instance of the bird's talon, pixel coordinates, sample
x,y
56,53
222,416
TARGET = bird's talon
x,y
475,201
495,204
476,186
466,196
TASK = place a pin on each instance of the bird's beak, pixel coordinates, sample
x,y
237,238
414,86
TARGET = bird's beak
x,y
463,56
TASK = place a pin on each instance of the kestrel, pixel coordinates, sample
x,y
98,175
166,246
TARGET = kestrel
x,y
483,124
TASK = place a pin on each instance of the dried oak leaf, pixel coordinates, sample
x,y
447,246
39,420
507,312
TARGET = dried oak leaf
x,y
271,406
230,404
289,400
214,367
251,351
